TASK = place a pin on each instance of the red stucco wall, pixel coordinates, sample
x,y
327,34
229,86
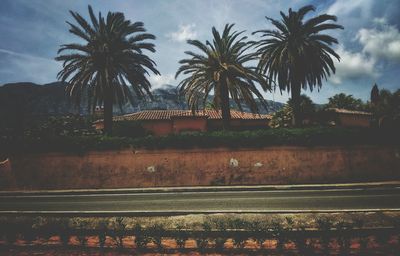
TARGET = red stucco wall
x,y
189,124
354,120
158,127
275,165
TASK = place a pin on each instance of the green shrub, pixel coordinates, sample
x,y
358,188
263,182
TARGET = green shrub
x,y
325,225
103,226
142,237
203,238
119,231
129,129
344,238
181,236
315,136
277,231
156,231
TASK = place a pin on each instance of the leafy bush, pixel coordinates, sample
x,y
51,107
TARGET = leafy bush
x,y
316,136
156,231
344,236
325,225
129,129
119,231
182,236
103,226
142,237
203,239
71,125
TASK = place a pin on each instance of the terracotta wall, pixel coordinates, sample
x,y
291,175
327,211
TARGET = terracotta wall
x,y
347,120
158,127
182,124
279,165
7,178
214,124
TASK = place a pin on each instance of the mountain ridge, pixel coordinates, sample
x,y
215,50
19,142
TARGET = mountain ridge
x,y
50,99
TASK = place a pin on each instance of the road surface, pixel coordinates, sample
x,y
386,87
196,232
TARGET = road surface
x,y
345,199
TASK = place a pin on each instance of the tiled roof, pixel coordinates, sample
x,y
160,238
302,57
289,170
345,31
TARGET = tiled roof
x,y
168,114
346,111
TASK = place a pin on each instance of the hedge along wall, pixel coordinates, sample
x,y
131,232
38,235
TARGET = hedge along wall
x,y
273,165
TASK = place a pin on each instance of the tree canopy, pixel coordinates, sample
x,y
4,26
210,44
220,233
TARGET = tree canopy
x,y
110,63
297,53
223,67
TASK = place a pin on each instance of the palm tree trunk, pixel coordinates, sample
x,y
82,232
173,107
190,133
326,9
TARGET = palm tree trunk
x,y
225,106
108,111
296,119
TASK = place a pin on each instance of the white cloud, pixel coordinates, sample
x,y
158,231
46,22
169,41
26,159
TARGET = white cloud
x,y
184,33
353,65
345,7
159,80
25,67
383,43
380,21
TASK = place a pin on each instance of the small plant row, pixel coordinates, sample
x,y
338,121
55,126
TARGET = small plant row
x,y
315,136
209,237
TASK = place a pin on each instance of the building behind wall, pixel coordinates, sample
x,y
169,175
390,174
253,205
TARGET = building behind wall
x,y
163,122
348,118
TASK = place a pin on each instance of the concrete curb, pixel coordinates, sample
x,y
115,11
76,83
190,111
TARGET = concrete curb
x,y
367,185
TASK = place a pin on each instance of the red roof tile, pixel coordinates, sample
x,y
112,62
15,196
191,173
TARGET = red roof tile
x,y
167,114
346,111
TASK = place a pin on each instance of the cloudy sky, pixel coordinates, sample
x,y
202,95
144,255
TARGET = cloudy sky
x,y
31,31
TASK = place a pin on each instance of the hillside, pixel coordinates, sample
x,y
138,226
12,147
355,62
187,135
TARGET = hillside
x,y
18,99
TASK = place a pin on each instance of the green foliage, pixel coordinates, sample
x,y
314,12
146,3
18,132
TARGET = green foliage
x,y
62,126
156,232
64,231
297,53
53,126
313,136
387,109
108,63
220,243
103,227
325,225
240,231
202,239
345,101
221,67
82,237
130,129
142,236
389,103
344,236
119,231
182,237
277,230
283,117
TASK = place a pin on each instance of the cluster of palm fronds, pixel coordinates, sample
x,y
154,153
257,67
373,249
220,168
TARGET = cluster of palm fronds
x,y
111,62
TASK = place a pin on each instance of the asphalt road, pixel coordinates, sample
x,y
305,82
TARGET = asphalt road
x,y
205,202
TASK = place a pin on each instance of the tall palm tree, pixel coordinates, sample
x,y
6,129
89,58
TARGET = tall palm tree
x,y
222,69
296,54
110,62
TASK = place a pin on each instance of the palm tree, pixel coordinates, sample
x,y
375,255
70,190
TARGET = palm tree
x,y
296,54
221,69
109,64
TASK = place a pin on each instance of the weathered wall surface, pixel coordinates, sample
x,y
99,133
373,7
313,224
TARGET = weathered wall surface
x,y
275,165
182,124
347,120
7,178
